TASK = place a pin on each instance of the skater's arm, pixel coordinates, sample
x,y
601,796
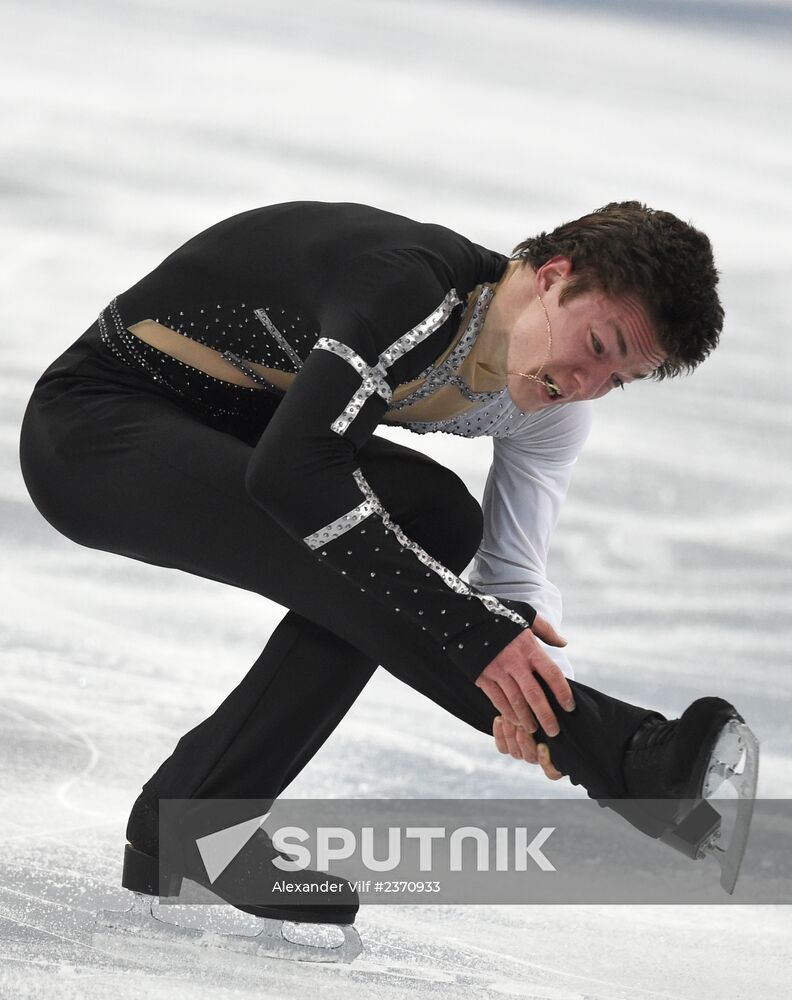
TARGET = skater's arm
x,y
526,487
304,470
527,484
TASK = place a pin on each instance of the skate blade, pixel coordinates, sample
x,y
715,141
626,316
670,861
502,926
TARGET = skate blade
x,y
733,768
216,926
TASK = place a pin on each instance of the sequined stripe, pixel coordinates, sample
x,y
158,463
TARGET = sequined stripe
x,y
376,371
422,330
283,343
373,376
341,525
367,389
440,375
499,418
469,394
448,577
372,380
463,424
251,373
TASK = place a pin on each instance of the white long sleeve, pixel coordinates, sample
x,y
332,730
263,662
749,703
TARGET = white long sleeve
x,y
526,486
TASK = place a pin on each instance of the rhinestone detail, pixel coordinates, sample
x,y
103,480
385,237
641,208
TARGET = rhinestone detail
x,y
263,318
449,578
498,417
445,373
373,380
133,351
340,526
491,419
251,373
373,376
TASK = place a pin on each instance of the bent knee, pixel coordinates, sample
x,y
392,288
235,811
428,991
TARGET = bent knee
x,y
448,523
431,504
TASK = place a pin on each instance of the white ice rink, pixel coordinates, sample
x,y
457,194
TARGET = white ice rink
x,y
130,125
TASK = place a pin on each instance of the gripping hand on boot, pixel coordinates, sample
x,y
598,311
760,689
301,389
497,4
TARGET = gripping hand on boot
x,y
510,683
521,745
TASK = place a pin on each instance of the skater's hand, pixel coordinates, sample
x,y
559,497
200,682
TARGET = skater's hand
x,y
521,745
509,682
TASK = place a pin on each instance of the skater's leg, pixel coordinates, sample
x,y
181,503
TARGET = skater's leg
x,y
593,739
146,479
135,473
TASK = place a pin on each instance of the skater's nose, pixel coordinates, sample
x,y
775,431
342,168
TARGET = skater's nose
x,y
594,379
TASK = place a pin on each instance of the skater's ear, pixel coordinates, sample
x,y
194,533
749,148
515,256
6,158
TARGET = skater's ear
x,y
551,272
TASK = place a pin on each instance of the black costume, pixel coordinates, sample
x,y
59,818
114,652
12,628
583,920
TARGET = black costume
x,y
287,493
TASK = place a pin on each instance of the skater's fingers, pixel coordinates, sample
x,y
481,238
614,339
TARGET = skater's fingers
x,y
557,682
527,745
517,741
497,696
546,763
512,673
532,700
520,705
520,661
510,734
497,732
505,736
546,632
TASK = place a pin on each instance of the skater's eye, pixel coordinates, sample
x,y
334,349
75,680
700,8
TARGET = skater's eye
x,y
599,348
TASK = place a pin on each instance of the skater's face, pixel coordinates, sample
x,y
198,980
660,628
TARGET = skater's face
x,y
583,348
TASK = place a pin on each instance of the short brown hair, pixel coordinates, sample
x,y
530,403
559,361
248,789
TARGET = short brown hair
x,y
626,248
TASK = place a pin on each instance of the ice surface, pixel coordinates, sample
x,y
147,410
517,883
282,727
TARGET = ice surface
x,y
127,127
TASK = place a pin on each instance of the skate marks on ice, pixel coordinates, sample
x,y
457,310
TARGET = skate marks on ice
x,y
228,929
47,923
392,963
404,950
44,758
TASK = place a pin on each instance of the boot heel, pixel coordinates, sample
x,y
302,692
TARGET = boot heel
x,y
141,874
695,831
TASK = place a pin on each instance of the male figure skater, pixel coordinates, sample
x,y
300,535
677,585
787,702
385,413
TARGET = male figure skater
x,y
219,417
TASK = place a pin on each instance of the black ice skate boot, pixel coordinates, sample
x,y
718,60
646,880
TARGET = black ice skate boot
x,y
660,776
247,878
670,770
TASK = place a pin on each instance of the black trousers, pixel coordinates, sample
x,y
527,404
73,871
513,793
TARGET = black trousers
x,y
115,462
